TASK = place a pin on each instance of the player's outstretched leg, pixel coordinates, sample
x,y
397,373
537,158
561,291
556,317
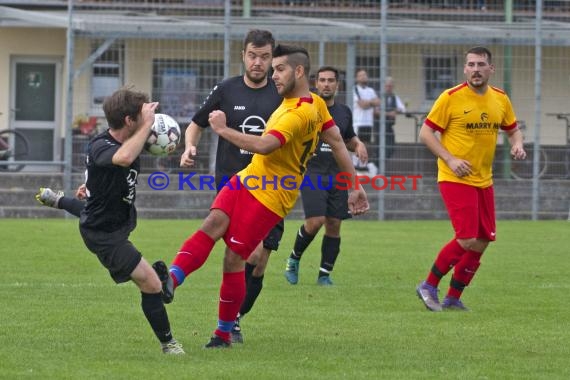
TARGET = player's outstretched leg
x,y
236,334
48,197
217,342
232,294
167,284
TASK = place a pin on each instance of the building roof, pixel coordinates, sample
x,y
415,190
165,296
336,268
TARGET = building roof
x,y
180,22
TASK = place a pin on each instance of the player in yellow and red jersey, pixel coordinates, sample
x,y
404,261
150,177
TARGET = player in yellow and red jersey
x,y
468,117
255,199
297,126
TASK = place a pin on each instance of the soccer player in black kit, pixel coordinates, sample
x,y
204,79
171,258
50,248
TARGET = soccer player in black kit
x,y
248,101
325,204
110,216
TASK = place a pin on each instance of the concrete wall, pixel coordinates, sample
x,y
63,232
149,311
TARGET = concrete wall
x,y
513,199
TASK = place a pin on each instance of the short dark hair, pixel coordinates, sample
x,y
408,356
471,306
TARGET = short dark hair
x,y
296,56
259,38
328,68
122,103
479,50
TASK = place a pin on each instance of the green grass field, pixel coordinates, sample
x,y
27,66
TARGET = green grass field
x,y
62,317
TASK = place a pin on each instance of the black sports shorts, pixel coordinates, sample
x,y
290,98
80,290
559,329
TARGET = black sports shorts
x,y
323,201
273,238
114,251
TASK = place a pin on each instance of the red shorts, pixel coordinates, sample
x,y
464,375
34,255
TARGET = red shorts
x,y
471,210
250,221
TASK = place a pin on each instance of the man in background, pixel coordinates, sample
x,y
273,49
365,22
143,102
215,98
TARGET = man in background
x,y
392,106
365,100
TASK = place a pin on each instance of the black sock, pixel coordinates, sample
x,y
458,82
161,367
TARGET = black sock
x,y
330,249
302,241
73,206
248,271
155,313
252,290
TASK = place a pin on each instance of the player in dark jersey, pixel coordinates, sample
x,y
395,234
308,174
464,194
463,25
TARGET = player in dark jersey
x,y
109,215
248,101
325,204
57,199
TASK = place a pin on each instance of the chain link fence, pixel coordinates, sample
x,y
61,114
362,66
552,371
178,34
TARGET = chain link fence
x,y
177,50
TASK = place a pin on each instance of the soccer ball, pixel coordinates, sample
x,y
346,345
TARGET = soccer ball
x,y
164,136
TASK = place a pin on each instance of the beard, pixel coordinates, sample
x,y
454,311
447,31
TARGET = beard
x,y
287,88
255,80
327,96
477,82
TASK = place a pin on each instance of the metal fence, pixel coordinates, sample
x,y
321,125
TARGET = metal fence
x,y
178,50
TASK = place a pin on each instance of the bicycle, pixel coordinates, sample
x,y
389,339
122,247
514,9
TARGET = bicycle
x,y
14,147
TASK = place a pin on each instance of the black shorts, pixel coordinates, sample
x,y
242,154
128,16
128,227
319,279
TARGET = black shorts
x,y
367,134
114,251
323,201
273,238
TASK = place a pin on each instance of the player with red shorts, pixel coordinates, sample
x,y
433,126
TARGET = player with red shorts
x,y
468,117
247,208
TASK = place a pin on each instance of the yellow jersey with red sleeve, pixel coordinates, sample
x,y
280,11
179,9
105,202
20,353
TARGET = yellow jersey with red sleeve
x,y
274,179
469,124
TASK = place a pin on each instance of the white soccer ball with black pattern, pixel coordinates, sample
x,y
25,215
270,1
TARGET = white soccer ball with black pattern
x,y
164,136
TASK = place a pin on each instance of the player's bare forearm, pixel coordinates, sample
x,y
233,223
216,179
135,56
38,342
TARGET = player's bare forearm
x,y
459,166
427,136
192,135
132,148
332,137
357,199
191,140
516,140
256,144
358,147
352,143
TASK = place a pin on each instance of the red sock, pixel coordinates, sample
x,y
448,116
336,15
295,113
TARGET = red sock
x,y
449,255
192,255
232,294
464,272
